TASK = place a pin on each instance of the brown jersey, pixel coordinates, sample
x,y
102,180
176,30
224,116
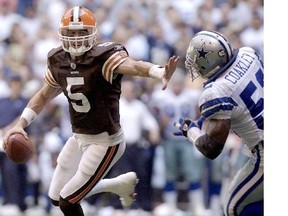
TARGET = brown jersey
x,y
91,87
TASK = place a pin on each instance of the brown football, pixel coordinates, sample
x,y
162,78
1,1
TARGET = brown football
x,y
19,149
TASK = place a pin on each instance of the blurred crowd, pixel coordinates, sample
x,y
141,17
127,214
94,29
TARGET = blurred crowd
x,y
151,30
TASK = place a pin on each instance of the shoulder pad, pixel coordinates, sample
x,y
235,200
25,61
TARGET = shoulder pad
x,y
54,51
247,49
105,47
56,56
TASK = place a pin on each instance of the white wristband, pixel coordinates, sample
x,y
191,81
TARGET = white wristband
x,y
29,115
193,134
156,71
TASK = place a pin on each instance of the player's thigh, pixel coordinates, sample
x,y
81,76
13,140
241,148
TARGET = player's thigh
x,y
96,161
100,159
67,164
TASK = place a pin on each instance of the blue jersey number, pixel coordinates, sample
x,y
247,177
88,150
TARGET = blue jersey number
x,y
255,109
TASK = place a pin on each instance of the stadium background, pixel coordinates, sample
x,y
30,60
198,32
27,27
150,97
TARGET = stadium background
x,y
29,30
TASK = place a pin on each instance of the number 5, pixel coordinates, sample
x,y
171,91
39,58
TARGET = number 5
x,y
255,109
79,101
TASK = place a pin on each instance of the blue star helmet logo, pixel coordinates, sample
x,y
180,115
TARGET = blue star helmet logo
x,y
202,52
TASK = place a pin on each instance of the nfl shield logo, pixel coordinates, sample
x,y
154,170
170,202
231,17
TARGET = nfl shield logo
x,y
73,65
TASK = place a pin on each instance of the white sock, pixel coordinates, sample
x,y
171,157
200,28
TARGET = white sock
x,y
104,185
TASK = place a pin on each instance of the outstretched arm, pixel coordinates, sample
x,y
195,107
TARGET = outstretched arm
x,y
147,69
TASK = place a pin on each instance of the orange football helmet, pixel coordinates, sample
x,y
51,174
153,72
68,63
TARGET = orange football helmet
x,y
78,30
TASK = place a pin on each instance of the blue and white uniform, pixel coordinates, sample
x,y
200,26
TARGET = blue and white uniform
x,y
236,93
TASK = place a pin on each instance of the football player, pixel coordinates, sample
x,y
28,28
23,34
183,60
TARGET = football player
x,y
232,99
89,74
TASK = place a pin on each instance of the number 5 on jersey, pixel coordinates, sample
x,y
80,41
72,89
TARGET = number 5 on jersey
x,y
79,101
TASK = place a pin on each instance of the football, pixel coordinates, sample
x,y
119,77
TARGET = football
x,y
19,149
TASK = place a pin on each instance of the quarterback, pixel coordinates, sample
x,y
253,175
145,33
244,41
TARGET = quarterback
x,y
89,74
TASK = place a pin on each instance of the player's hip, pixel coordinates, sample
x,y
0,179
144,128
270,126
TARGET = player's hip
x,y
103,139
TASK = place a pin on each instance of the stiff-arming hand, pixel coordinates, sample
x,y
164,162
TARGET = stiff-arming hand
x,y
170,68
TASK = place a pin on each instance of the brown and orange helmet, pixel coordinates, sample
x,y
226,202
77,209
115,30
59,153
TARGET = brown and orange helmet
x,y
78,30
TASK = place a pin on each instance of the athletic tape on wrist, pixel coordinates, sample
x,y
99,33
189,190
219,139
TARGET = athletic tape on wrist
x,y
193,134
29,115
156,71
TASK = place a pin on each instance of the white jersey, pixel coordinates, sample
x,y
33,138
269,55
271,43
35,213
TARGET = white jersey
x,y
237,94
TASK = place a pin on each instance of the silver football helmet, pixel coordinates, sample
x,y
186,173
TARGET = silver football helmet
x,y
208,51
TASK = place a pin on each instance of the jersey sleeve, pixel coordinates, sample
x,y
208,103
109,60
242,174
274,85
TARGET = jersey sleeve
x,y
113,62
214,103
49,79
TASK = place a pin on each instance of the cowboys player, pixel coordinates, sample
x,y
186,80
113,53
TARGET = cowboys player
x,y
89,75
232,99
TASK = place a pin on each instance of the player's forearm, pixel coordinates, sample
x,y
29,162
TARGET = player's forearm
x,y
36,104
31,111
42,97
140,68
212,142
204,143
208,147
143,68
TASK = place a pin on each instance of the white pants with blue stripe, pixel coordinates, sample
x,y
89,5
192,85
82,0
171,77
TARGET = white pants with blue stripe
x,y
245,193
